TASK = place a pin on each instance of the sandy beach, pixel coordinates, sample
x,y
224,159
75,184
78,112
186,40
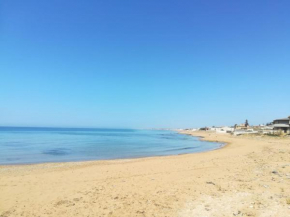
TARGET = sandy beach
x,y
250,176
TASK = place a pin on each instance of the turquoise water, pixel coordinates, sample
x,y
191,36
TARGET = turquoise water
x,y
38,145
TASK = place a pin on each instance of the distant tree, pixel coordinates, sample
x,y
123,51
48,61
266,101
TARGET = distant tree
x,y
235,126
246,123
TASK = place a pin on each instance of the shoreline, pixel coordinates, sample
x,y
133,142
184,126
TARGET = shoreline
x,y
203,138
248,176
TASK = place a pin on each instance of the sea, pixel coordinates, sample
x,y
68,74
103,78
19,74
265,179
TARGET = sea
x,y
31,145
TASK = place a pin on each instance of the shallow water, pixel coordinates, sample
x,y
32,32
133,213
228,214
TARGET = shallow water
x,y
38,145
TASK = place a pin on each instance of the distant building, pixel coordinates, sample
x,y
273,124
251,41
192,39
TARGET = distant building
x,y
204,128
222,129
241,127
282,124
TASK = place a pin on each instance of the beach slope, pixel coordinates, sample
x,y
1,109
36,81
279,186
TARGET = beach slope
x,y
250,176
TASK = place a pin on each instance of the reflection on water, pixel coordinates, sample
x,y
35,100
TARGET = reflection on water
x,y
57,151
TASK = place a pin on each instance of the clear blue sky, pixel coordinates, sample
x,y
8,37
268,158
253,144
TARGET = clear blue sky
x,y
140,64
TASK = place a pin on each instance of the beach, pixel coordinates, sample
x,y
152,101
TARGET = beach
x,y
249,176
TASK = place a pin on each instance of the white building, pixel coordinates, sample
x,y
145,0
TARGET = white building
x,y
222,129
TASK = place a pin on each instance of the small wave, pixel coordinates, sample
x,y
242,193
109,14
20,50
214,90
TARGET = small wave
x,y
181,149
13,159
14,144
174,138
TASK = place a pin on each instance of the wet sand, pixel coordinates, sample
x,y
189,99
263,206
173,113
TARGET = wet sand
x,y
248,177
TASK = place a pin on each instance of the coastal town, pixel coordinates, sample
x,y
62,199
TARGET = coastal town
x,y
278,127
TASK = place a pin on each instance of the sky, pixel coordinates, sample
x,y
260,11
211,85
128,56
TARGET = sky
x,y
143,64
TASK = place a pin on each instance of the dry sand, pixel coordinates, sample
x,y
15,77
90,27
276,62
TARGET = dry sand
x,y
249,177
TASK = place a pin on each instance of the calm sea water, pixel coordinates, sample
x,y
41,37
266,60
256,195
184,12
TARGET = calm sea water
x,y
38,145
